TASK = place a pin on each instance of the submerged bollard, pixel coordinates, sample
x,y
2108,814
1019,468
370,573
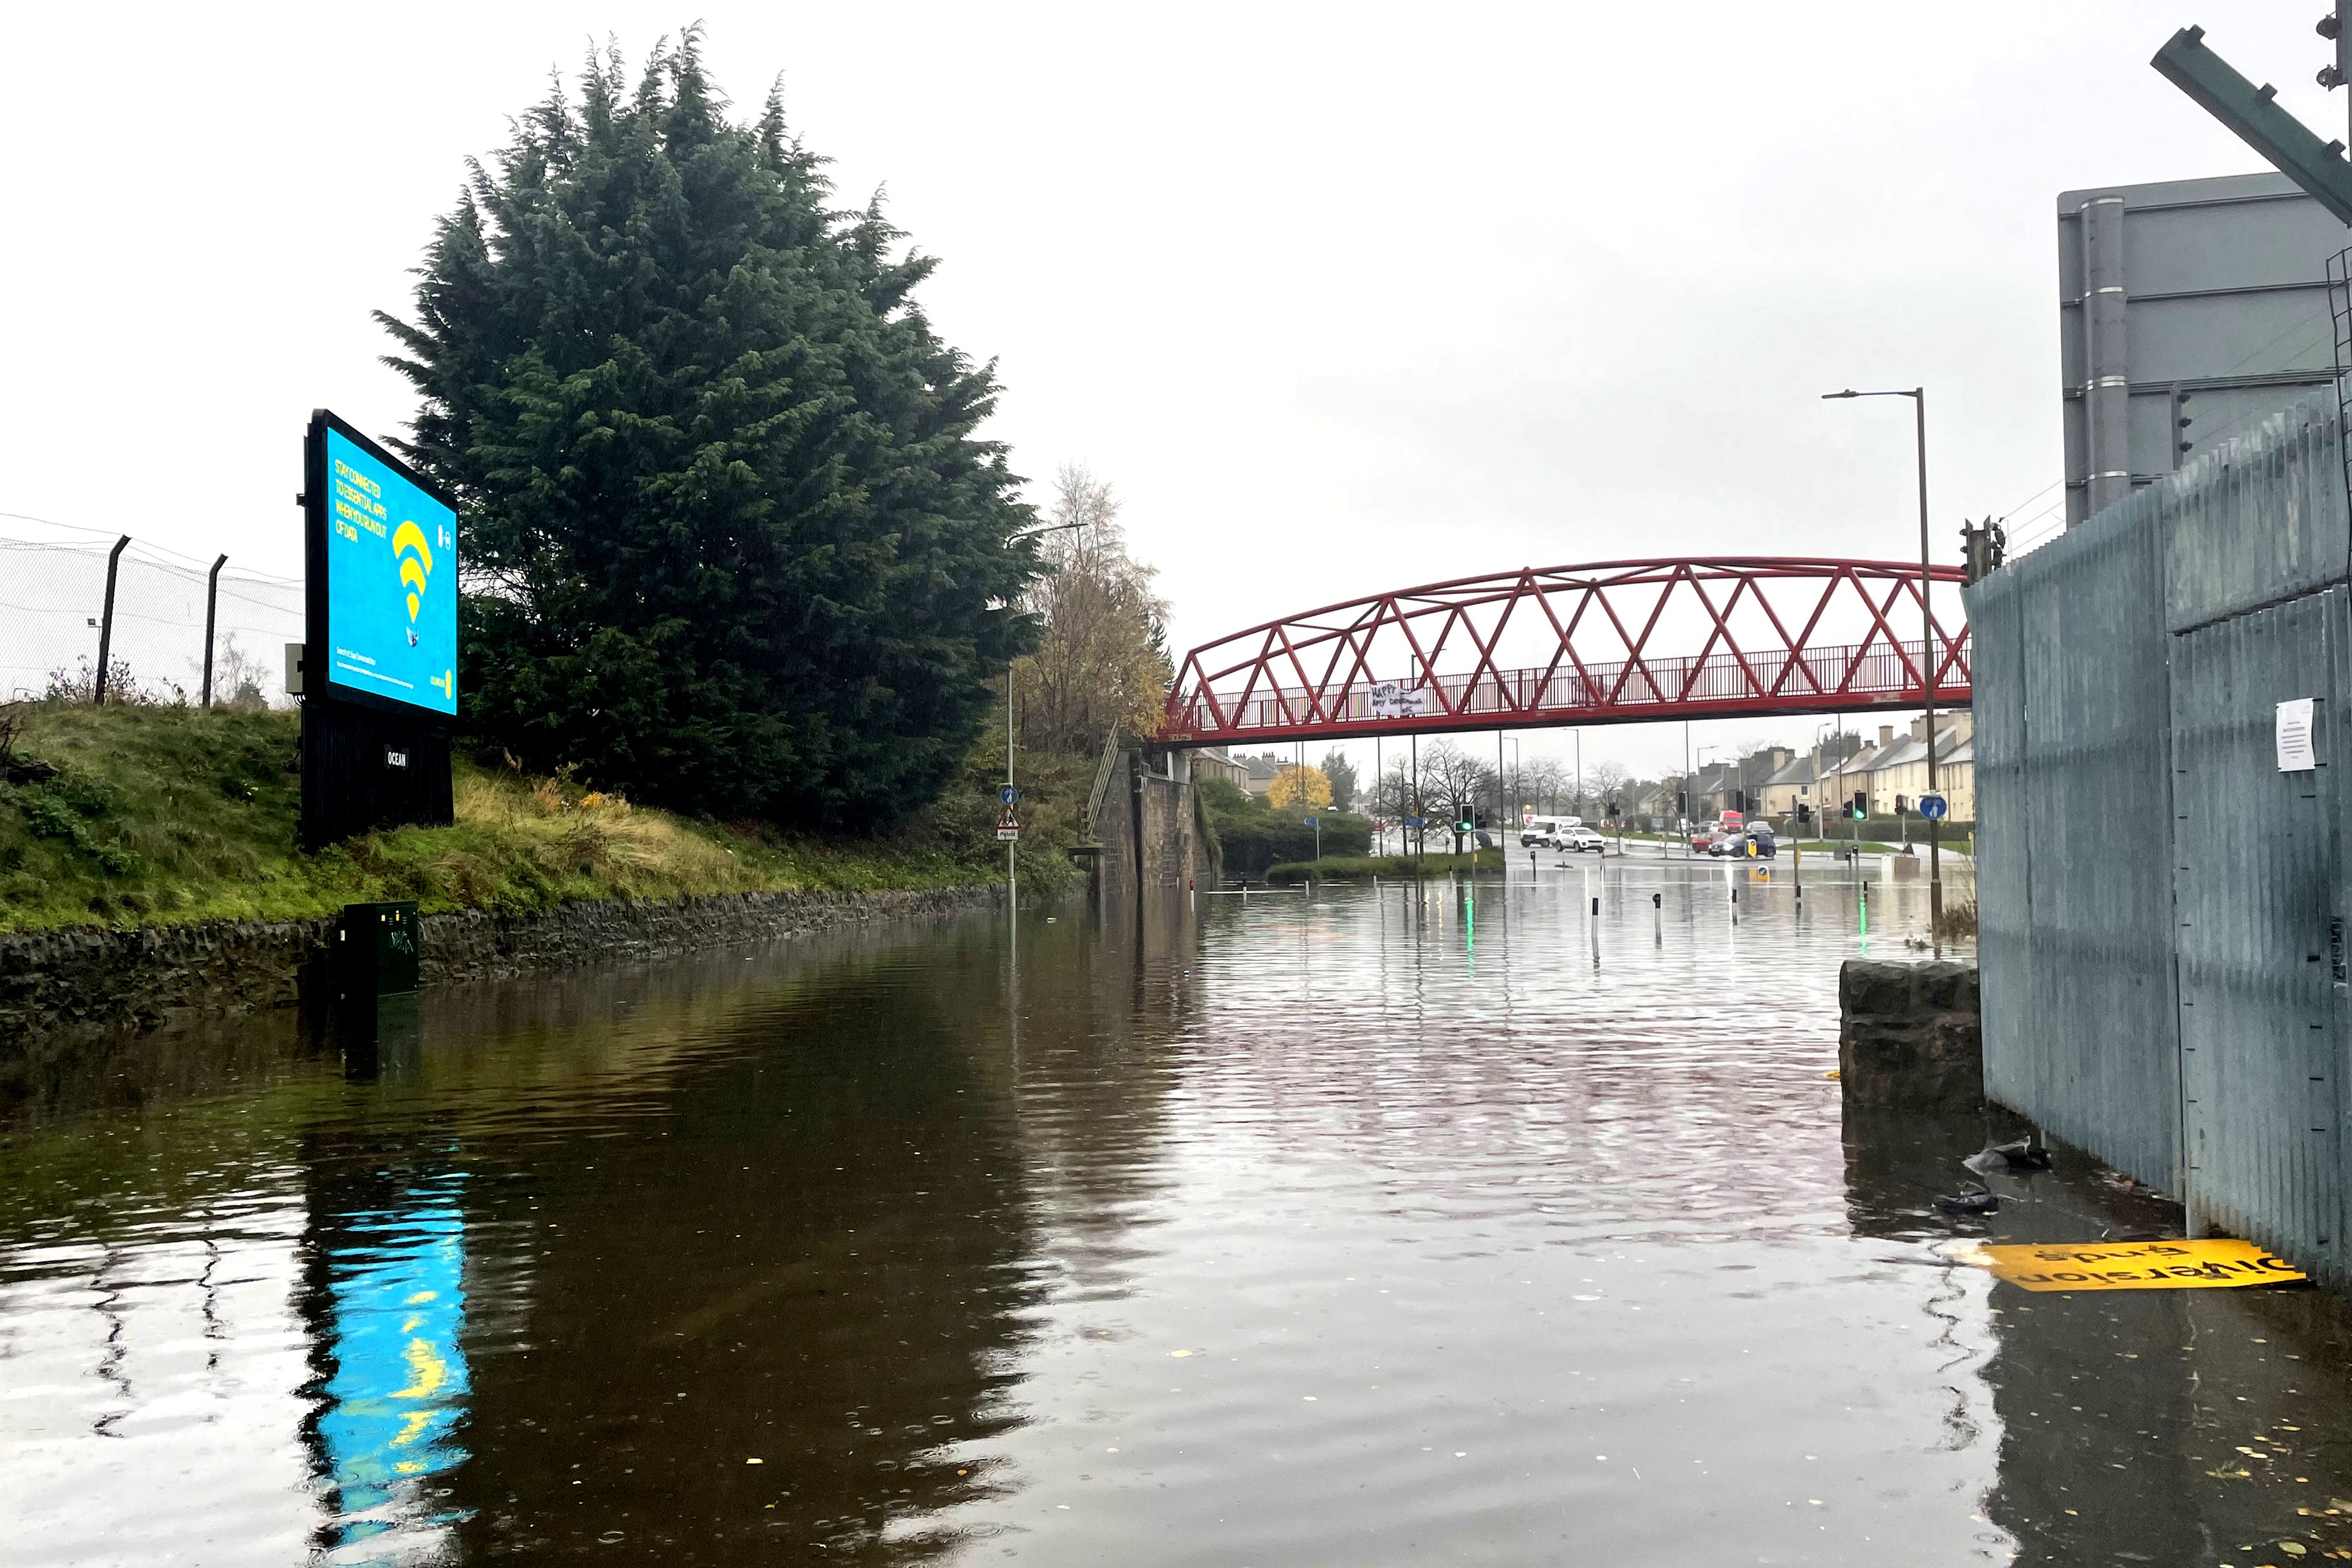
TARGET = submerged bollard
x,y
1658,918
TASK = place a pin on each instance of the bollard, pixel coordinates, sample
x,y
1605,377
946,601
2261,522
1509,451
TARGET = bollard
x,y
1658,918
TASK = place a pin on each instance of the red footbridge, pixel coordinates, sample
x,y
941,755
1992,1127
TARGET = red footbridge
x,y
1619,642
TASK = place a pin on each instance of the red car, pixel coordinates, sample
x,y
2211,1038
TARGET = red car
x,y
1729,822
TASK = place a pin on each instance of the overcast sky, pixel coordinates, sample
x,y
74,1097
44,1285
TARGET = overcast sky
x,y
1339,298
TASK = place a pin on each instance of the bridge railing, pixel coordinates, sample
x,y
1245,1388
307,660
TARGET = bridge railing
x,y
1857,674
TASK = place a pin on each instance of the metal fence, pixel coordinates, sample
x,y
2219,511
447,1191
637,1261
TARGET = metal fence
x,y
53,604
2163,902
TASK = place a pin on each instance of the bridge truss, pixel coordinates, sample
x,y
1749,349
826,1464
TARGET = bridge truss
x,y
1610,643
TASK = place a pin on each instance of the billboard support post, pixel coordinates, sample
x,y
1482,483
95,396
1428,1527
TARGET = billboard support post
x,y
380,676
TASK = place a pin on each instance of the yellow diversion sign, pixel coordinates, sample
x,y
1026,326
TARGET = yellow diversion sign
x,y
2216,1263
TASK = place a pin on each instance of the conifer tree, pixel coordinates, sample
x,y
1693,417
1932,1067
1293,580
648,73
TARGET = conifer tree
x,y
733,544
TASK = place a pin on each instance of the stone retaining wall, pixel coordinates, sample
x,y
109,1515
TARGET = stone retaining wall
x,y
1908,1034
83,980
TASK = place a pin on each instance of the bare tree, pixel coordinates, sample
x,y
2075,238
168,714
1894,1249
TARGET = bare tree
x,y
1453,780
1102,661
1606,778
1545,777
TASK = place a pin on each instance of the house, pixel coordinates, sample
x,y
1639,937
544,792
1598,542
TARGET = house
x,y
1840,780
1783,791
1899,769
1261,770
1715,789
1211,762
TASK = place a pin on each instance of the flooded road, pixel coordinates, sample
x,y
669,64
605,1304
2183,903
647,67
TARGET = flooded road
x,y
1383,1228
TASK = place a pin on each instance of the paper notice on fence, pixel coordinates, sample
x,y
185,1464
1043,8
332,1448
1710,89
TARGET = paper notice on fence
x,y
2215,1262
2295,751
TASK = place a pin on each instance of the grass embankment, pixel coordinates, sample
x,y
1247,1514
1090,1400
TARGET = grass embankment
x,y
1363,867
168,814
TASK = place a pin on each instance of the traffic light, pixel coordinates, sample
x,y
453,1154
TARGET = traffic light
x,y
1612,811
1462,827
1861,806
1901,806
1804,813
1682,802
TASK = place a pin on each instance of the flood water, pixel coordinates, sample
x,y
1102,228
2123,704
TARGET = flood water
x,y
1394,1226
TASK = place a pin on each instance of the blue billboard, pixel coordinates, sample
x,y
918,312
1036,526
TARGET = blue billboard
x,y
392,582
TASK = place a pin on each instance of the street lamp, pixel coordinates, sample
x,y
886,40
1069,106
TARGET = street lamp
x,y
1011,875
1918,396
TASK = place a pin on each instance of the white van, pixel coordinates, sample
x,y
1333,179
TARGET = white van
x,y
1547,832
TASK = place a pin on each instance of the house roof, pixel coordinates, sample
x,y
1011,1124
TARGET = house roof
x,y
1909,749
1799,772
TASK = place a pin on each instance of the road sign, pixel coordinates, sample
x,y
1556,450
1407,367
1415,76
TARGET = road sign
x,y
1309,822
2201,1265
1008,831
1933,806
1009,795
1416,822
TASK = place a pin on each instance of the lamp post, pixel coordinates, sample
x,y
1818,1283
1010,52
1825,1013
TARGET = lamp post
x,y
1012,873
1918,396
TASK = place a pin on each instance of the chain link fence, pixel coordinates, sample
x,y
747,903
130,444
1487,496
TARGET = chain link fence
x,y
53,608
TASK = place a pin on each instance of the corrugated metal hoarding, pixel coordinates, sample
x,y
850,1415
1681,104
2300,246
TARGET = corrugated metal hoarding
x,y
2162,906
2074,891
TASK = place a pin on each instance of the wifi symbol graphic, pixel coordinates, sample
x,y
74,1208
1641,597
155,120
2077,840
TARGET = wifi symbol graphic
x,y
415,558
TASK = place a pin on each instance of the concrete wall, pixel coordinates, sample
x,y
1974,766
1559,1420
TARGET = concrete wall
x,y
2161,908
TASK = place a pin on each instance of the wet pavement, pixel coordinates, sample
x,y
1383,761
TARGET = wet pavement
x,y
1383,1226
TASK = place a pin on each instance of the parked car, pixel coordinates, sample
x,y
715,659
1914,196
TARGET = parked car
x,y
1732,843
1576,840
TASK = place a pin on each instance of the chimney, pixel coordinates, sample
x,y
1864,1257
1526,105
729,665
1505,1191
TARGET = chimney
x,y
1887,734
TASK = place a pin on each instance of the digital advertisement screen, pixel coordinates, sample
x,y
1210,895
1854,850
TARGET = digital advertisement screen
x,y
392,582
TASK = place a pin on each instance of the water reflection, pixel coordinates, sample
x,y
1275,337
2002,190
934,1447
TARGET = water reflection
x,y
1429,1224
2180,1426
394,1321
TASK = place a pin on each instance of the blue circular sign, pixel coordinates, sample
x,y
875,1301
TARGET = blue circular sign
x,y
1008,795
1933,806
